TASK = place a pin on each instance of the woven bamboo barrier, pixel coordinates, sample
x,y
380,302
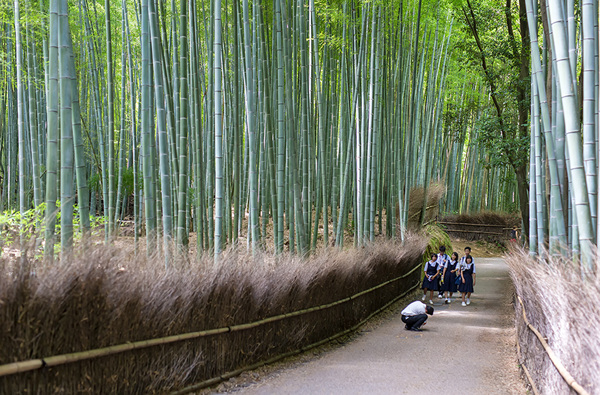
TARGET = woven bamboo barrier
x,y
555,360
257,312
558,318
527,374
477,231
25,366
493,227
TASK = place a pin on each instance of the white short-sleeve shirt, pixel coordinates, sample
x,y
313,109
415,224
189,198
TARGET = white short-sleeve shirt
x,y
415,308
442,261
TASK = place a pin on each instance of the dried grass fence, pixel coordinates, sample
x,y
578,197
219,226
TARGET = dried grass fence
x,y
108,305
562,304
489,226
415,205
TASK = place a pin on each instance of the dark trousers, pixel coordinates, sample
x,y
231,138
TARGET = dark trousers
x,y
414,321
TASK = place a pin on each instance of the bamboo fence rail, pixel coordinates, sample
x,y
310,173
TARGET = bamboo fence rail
x,y
473,224
529,378
492,232
34,364
473,231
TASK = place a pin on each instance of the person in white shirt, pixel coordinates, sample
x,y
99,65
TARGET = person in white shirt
x,y
442,262
468,278
450,285
430,279
415,314
461,263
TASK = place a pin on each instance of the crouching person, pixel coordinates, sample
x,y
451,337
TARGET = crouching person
x,y
415,314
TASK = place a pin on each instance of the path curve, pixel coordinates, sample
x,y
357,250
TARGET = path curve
x,y
462,350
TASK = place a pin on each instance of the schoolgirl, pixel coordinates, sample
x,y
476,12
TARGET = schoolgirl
x,y
430,281
449,274
468,279
442,262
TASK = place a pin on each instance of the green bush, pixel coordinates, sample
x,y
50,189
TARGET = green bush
x,y
16,228
437,237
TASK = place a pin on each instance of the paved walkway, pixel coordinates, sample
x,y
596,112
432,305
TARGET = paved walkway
x,y
462,350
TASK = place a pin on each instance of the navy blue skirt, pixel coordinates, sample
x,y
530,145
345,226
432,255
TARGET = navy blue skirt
x,y
467,286
449,282
430,285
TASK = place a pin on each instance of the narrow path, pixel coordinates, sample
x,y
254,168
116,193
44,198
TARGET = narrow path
x,y
462,350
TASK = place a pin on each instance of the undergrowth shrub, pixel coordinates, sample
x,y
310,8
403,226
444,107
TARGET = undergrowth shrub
x,y
563,303
28,228
107,297
437,237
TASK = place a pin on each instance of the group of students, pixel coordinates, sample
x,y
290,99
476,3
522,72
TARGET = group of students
x,y
448,274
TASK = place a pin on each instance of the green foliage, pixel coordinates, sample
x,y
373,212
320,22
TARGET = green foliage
x,y
16,228
437,237
506,151
13,225
459,116
503,56
128,180
95,181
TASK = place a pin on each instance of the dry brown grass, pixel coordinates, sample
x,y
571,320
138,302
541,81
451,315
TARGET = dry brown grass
x,y
415,205
106,296
491,227
563,303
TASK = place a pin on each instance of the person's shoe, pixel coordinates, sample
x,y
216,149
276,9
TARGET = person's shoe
x,y
406,327
468,301
447,301
423,298
440,296
464,304
430,301
415,329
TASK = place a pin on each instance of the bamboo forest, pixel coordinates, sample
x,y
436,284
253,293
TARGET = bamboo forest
x,y
238,120
187,131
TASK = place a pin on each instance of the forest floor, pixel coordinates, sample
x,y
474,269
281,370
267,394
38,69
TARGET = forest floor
x,y
462,350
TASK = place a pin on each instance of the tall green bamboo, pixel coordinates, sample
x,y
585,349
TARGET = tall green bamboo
x,y
67,161
53,131
182,236
33,123
163,149
251,134
218,98
146,149
78,148
590,136
574,144
20,112
20,119
110,135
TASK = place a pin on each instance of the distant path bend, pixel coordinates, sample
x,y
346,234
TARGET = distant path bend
x,y
462,350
